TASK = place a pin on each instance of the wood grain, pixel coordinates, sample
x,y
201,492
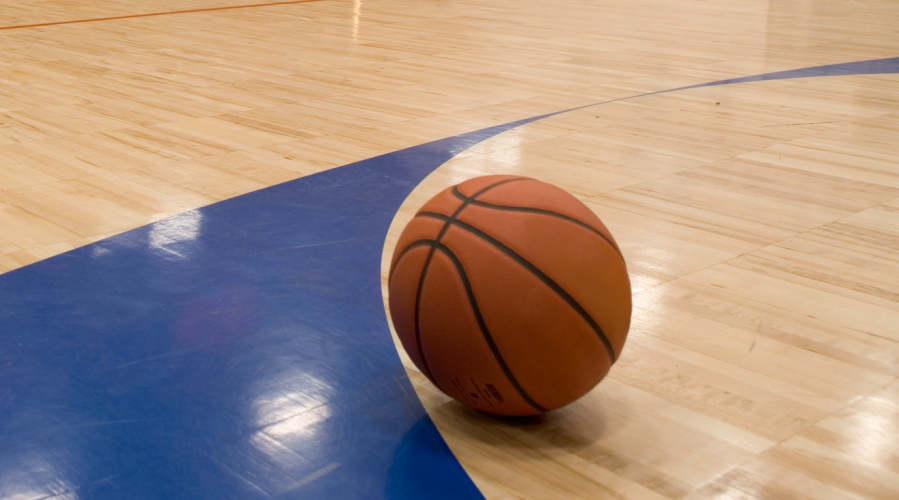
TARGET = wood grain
x,y
760,221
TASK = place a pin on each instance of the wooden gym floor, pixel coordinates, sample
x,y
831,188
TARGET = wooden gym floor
x,y
760,221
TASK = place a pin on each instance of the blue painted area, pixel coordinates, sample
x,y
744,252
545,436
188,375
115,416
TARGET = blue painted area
x,y
236,351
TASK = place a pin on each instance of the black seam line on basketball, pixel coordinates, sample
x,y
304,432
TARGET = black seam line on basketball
x,y
410,246
540,211
483,326
421,353
539,274
427,264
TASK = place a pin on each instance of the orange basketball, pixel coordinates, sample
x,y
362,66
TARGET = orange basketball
x,y
510,295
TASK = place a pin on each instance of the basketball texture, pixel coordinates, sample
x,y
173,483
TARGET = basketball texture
x,y
510,295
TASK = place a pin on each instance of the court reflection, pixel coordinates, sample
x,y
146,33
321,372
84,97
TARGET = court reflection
x,y
34,477
291,405
172,238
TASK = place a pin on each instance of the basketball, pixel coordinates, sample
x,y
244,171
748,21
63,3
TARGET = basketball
x,y
510,295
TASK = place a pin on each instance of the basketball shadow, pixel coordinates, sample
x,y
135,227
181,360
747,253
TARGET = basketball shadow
x,y
556,429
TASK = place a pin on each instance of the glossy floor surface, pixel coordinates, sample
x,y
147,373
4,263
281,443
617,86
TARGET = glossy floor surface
x,y
242,351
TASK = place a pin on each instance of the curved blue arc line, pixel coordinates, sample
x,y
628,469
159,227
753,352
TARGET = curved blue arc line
x,y
872,67
239,350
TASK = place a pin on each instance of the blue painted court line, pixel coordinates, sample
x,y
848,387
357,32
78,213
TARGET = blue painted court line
x,y
237,351
872,67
